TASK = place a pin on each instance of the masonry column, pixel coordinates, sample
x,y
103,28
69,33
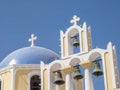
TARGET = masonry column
x,y
88,80
13,73
68,82
57,87
88,77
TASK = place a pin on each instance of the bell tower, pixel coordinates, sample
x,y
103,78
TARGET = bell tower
x,y
75,70
75,37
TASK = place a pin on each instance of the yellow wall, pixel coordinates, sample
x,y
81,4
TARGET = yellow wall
x,y
6,80
83,41
64,46
108,71
21,79
45,80
89,40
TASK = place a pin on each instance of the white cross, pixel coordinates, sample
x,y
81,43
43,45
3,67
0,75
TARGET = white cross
x,y
32,39
75,20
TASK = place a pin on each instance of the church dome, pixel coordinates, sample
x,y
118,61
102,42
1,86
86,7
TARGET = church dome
x,y
29,55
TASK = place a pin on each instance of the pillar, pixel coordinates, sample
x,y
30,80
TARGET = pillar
x,y
88,80
13,73
57,87
68,82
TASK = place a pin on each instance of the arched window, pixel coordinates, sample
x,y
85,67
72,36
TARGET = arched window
x,y
35,83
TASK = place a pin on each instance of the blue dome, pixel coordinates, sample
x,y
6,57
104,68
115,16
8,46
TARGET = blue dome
x,y
29,55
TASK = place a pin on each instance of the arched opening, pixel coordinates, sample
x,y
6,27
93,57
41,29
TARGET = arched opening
x,y
98,80
74,43
76,74
55,66
35,83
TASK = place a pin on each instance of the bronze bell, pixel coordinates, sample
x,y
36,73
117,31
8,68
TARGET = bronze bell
x,y
77,73
97,71
76,42
58,78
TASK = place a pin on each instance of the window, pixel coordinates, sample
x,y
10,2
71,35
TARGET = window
x,y
35,83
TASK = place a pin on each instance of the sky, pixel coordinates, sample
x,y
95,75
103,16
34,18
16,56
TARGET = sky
x,y
45,18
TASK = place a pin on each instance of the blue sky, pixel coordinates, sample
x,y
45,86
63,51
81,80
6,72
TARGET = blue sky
x,y
45,18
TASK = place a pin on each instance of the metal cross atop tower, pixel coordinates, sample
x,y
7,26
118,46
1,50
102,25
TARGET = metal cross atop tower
x,y
32,39
75,20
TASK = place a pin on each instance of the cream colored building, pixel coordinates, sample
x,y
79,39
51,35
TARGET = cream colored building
x,y
38,68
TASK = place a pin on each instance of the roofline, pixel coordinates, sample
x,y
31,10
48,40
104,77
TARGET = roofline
x,y
20,66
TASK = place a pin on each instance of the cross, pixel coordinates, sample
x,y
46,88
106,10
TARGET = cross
x,y
32,39
75,20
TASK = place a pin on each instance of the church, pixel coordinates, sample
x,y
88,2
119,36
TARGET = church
x,y
39,68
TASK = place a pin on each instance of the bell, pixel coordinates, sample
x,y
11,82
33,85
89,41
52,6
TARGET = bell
x,y
58,78
77,73
76,42
97,71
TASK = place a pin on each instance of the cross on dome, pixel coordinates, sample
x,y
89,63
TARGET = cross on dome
x,y
32,39
75,20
